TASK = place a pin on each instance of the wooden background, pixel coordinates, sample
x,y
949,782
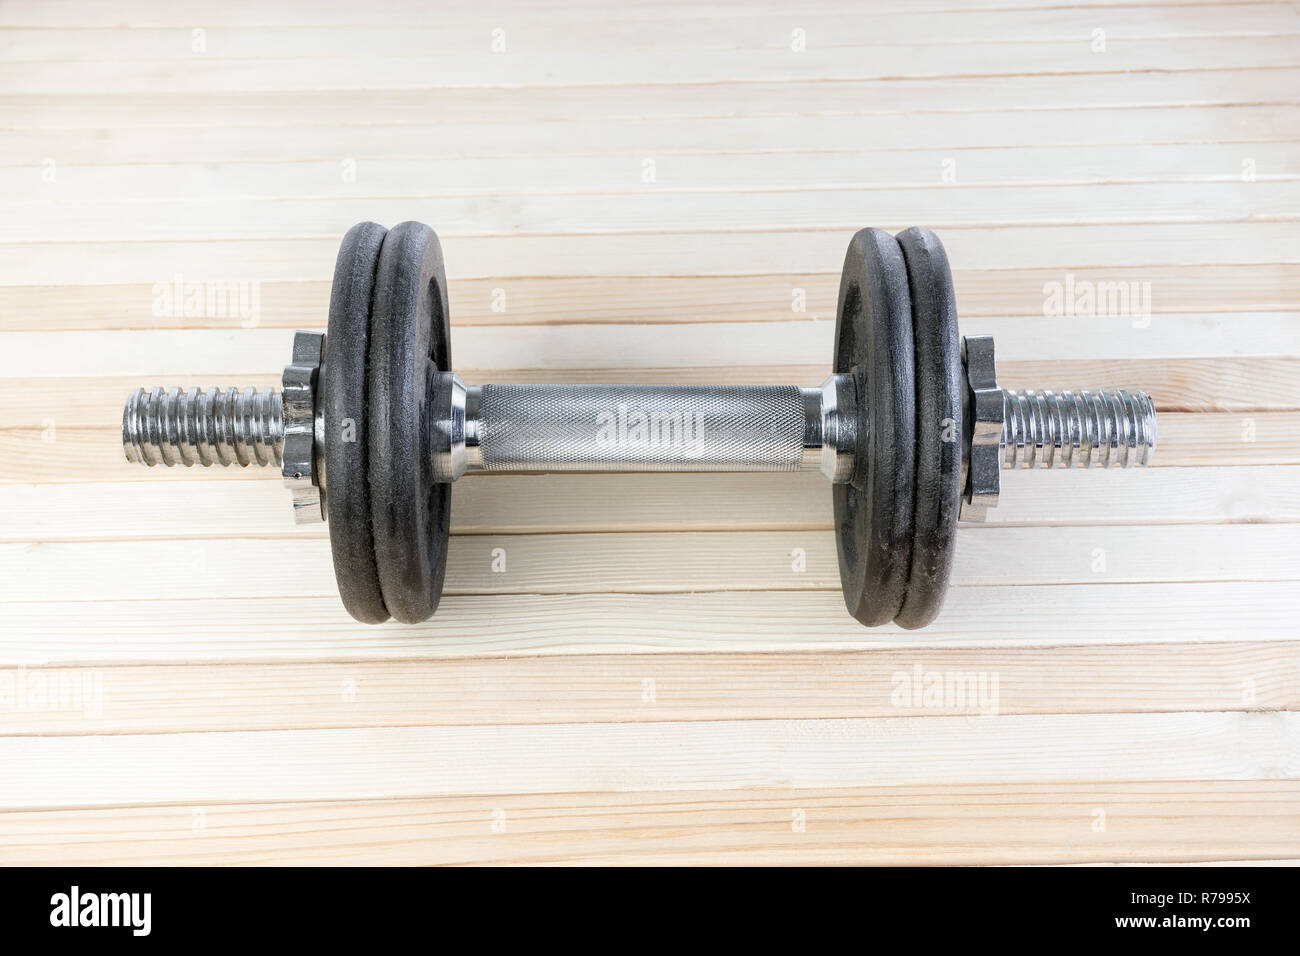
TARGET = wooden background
x,y
650,679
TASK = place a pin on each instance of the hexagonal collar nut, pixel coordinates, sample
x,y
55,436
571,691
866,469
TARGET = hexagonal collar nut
x,y
985,417
301,459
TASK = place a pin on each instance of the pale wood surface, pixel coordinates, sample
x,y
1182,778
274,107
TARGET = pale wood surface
x,y
663,672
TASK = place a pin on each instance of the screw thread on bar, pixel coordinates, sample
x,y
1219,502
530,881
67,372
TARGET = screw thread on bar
x,y
1045,429
210,426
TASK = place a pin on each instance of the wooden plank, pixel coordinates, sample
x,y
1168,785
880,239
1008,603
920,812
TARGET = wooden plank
x,y
690,347
689,30
1178,385
207,507
157,13
1234,294
1068,248
38,221
644,563
881,682
318,629
576,348
625,140
369,763
865,169
450,64
1022,823
538,107
1208,439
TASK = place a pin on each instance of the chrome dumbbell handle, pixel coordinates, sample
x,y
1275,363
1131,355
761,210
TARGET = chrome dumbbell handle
x,y
620,428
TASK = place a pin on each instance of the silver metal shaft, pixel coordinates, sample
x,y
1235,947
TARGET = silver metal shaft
x,y
619,428
203,426
643,428
1077,429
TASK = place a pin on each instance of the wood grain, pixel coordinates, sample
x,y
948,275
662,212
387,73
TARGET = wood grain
x,y
878,682
1114,822
622,141
826,168
647,563
369,763
690,29
1054,245
163,629
187,503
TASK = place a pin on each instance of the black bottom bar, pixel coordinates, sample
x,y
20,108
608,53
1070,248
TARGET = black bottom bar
x,y
915,908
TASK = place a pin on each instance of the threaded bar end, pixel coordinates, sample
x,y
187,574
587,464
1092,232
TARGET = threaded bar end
x,y
209,426
1045,429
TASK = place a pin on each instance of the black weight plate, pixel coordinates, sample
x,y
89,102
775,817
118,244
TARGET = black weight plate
x,y
873,513
938,425
409,342
343,385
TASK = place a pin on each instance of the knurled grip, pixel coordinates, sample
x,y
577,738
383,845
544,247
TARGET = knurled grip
x,y
647,427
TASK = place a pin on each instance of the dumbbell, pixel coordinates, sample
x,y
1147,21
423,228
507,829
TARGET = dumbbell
x,y
371,426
